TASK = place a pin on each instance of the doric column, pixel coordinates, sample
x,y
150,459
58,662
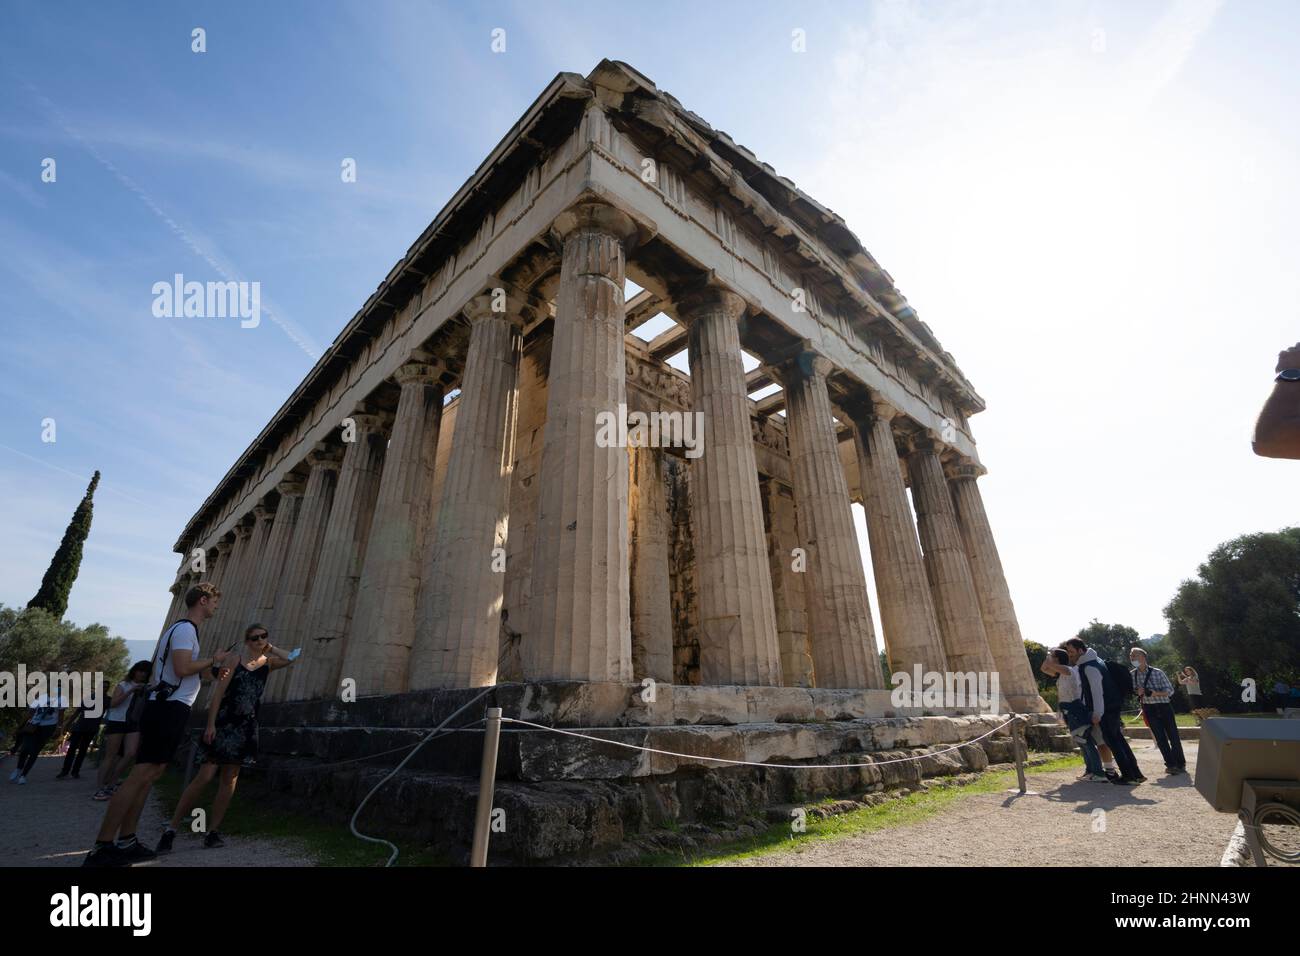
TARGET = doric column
x,y
216,563
177,590
263,519
458,627
578,614
906,608
651,591
304,555
333,593
383,627
956,606
219,572
842,635
787,584
235,588
1015,676
276,554
738,642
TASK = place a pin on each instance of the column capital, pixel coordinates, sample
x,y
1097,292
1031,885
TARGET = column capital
x,y
925,442
291,487
803,365
223,547
963,468
325,455
368,421
493,305
597,217
263,512
710,297
420,373
243,532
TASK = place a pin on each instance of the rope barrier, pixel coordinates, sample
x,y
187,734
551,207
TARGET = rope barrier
x,y
352,824
753,763
528,726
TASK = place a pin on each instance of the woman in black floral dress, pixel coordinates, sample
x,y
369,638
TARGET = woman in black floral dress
x,y
231,735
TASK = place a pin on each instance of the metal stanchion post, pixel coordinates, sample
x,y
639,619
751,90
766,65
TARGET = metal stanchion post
x,y
486,785
1020,754
1018,747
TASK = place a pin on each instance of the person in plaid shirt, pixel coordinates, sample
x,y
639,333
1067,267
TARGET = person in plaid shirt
x,y
1154,693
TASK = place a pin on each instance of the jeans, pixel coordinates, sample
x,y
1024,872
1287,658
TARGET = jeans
x,y
1091,755
1164,728
1113,733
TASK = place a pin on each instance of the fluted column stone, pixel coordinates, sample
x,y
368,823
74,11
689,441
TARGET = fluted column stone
x,y
579,615
333,594
275,556
841,631
738,642
907,612
458,626
651,590
787,584
304,555
1001,627
383,626
956,605
263,520
219,570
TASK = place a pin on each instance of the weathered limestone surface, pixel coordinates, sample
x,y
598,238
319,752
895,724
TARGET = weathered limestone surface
x,y
459,623
683,573
787,585
249,587
999,614
333,593
738,643
841,631
383,625
300,563
217,573
579,623
234,584
650,587
906,608
276,554
530,425
956,606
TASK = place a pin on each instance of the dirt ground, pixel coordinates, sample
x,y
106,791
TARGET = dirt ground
x,y
52,822
1161,822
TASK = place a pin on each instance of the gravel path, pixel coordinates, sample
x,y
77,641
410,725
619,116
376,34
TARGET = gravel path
x,y
1163,821
52,822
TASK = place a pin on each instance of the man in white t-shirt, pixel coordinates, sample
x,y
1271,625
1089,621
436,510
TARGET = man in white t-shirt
x,y
177,673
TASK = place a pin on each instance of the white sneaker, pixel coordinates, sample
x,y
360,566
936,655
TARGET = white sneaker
x,y
22,781
13,777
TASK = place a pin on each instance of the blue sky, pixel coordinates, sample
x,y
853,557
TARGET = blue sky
x,y
1092,205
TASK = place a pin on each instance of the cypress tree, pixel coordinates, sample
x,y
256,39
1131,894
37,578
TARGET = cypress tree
x,y
57,583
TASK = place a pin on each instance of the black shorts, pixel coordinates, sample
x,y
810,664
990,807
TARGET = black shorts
x,y
120,727
162,728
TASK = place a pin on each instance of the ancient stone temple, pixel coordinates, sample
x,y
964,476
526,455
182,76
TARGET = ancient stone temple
x,y
491,478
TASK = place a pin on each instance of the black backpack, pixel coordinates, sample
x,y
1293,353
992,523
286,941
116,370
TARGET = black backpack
x,y
1116,684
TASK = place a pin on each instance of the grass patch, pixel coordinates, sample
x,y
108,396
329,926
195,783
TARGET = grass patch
x,y
1182,720
903,811
327,844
